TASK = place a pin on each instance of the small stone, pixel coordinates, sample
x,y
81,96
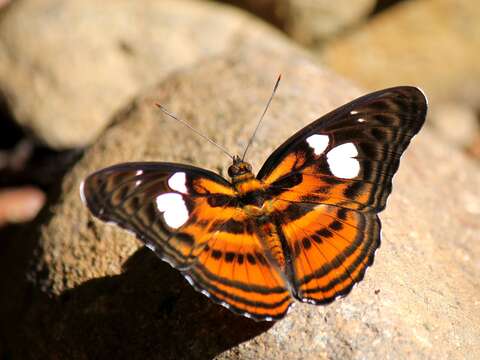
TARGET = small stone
x,y
20,204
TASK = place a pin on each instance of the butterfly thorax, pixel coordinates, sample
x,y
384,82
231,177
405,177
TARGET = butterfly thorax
x,y
240,170
250,190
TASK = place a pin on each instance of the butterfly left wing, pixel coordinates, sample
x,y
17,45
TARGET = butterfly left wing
x,y
187,216
331,179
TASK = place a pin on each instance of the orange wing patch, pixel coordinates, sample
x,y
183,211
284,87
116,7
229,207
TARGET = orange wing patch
x,y
234,269
330,248
296,183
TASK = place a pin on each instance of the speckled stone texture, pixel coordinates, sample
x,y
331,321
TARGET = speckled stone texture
x,y
98,293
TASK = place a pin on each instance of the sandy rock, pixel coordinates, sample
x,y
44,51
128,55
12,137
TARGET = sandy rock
x,y
430,43
77,62
310,22
108,298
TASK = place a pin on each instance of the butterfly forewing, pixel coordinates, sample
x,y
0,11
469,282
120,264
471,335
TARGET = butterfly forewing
x,y
348,157
186,216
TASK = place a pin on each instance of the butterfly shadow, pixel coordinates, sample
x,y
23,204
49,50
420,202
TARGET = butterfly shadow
x,y
148,311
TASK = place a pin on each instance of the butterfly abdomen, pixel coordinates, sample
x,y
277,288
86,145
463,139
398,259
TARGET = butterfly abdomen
x,y
271,241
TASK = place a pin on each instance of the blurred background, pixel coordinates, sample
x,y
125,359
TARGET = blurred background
x,y
67,68
57,58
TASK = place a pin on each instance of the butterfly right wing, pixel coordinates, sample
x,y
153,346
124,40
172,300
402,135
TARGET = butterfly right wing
x,y
188,217
331,179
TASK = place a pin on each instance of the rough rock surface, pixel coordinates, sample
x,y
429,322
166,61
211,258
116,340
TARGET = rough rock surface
x,y
77,62
430,43
109,298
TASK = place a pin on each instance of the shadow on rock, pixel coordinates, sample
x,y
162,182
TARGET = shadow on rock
x,y
149,311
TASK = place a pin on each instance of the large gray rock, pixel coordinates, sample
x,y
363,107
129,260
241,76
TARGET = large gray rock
x,y
67,66
109,298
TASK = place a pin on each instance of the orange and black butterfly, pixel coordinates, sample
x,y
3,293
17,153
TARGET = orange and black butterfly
x,y
305,228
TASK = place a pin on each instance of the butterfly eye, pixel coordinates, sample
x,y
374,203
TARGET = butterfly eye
x,y
233,171
239,169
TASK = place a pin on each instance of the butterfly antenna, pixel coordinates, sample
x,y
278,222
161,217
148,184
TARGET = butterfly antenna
x,y
195,130
261,117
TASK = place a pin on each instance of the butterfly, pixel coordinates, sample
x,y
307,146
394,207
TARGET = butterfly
x,y
305,227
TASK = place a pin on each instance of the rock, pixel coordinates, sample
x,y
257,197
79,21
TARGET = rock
x,y
64,85
20,204
103,296
431,43
4,3
310,23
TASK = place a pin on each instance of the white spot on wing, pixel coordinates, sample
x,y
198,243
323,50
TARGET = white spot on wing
x,y
150,246
224,304
353,112
189,279
360,120
178,182
290,308
318,143
175,212
138,182
139,172
247,315
341,161
82,193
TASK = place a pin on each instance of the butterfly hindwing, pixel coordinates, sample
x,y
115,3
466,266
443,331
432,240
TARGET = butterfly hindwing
x,y
331,179
234,269
330,248
185,214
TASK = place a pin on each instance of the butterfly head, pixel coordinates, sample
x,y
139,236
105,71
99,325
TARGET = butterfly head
x,y
239,170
